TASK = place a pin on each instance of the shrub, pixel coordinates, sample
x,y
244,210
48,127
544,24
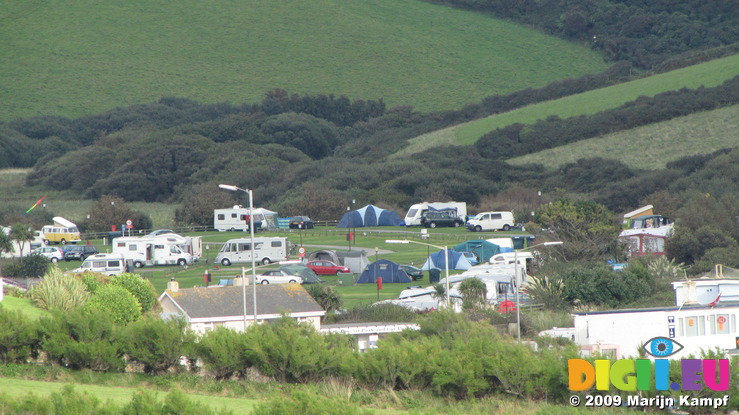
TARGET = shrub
x,y
59,291
82,340
19,338
300,402
32,266
157,343
139,287
549,292
116,301
222,353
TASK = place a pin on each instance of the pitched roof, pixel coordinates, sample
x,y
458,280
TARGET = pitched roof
x,y
228,301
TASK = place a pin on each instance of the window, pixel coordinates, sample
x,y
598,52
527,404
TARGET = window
x,y
98,264
114,263
721,323
276,244
234,216
132,247
496,216
695,326
244,247
412,213
221,216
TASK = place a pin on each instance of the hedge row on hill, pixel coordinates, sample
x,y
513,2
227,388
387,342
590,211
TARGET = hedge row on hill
x,y
519,139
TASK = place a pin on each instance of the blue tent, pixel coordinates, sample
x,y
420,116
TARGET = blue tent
x,y
369,216
388,270
483,249
438,260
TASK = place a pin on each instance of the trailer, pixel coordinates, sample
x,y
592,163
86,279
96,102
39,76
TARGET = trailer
x,y
237,219
266,250
157,250
416,212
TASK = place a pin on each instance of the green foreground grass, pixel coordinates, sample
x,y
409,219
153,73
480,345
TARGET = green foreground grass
x,y
708,74
84,57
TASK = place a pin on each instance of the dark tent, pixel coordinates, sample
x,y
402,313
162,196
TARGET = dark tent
x,y
369,216
483,249
308,275
388,270
324,255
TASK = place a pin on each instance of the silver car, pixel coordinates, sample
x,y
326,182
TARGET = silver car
x,y
278,276
54,254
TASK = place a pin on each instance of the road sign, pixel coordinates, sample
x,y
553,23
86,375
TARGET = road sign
x,y
301,252
129,222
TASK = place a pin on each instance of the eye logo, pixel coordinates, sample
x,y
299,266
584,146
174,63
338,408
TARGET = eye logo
x,y
662,347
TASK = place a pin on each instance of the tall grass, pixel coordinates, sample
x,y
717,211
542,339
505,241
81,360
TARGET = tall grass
x,y
59,291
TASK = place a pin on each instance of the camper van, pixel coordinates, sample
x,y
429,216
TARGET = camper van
x,y
491,221
416,212
108,264
61,232
237,219
266,250
158,250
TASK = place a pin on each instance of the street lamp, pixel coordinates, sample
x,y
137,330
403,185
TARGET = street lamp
x,y
253,267
518,282
446,258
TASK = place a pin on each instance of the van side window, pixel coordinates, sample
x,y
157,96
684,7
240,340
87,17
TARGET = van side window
x,y
276,244
244,247
221,216
98,264
121,244
114,263
258,245
158,246
234,215
496,216
132,247
173,250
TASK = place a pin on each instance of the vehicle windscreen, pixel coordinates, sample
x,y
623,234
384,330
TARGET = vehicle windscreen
x,y
412,213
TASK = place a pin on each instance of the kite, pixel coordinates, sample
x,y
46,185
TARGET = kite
x,y
37,203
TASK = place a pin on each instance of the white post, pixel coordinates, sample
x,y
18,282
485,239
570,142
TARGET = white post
x,y
446,261
253,267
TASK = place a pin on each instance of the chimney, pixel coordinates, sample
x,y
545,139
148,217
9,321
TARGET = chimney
x,y
173,285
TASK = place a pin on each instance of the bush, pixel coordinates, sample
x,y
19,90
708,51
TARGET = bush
x,y
32,266
59,291
19,337
139,287
82,340
222,353
157,343
307,404
117,302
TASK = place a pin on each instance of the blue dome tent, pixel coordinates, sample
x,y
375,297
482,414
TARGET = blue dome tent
x,y
438,261
369,216
483,249
388,270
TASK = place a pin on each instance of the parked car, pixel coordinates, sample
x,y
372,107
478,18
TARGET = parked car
x,y
79,252
323,267
160,232
471,257
278,276
433,219
53,253
413,272
301,222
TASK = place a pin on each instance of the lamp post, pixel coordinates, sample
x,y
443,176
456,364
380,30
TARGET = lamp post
x,y
518,282
446,258
253,266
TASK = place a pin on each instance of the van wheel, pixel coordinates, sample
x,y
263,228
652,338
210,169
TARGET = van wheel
x,y
506,227
225,262
432,225
478,228
266,261
265,282
138,264
181,262
64,241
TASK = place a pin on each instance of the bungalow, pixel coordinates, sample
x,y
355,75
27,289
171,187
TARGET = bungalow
x,y
223,306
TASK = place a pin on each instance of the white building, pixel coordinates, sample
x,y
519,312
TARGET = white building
x,y
367,334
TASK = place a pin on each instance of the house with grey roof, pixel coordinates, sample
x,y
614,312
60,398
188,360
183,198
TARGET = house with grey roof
x,y
223,306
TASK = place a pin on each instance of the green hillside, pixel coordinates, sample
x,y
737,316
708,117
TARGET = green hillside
x,y
650,147
84,57
707,74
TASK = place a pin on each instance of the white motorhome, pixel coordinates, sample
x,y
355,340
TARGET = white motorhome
x,y
491,221
266,250
415,212
157,250
237,219
108,264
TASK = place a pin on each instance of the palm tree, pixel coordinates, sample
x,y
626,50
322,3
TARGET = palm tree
x,y
439,293
21,233
474,292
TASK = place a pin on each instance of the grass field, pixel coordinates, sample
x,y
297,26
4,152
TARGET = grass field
x,y
707,74
84,57
650,147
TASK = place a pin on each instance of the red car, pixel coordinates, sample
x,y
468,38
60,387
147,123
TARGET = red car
x,y
322,267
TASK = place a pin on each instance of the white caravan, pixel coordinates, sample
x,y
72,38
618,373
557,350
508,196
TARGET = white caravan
x,y
236,219
415,212
266,250
157,250
491,221
108,264
26,248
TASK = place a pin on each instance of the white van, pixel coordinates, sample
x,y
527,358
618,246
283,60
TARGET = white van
x,y
108,264
266,250
491,221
